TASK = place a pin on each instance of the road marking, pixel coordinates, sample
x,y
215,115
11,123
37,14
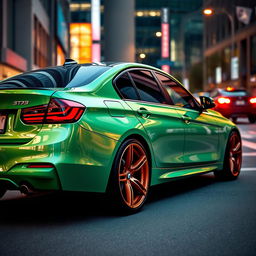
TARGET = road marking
x,y
249,169
249,154
248,136
249,144
251,134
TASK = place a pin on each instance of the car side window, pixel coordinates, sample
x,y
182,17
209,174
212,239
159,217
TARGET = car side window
x,y
147,86
179,96
125,87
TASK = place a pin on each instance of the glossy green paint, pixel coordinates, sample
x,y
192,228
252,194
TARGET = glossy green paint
x,y
83,152
16,131
41,178
165,130
77,166
201,136
186,172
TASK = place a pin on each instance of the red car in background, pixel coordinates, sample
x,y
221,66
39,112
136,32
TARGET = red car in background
x,y
234,103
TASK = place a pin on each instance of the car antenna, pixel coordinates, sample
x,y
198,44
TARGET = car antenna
x,y
69,62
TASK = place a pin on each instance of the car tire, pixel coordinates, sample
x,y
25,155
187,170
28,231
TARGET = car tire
x,y
130,177
234,119
252,119
233,158
2,192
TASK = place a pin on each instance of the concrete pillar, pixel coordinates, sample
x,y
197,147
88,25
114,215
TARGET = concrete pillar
x,y
23,30
119,30
3,24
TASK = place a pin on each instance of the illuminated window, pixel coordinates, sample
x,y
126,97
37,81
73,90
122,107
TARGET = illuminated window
x,y
139,14
81,42
80,7
60,56
6,71
148,13
152,13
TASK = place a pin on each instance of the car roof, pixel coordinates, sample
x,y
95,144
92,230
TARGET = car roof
x,y
70,68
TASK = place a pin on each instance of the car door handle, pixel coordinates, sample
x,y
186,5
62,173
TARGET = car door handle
x,y
143,112
186,119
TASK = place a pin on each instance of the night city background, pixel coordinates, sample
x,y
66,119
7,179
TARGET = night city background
x,y
201,48
206,45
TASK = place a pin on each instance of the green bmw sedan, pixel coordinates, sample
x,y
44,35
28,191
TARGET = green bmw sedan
x,y
115,128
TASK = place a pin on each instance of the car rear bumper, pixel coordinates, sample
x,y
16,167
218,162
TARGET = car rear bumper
x,y
81,160
34,179
236,112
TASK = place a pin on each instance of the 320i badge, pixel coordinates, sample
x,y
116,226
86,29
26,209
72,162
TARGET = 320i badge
x,y
112,128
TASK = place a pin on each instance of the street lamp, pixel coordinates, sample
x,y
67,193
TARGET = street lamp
x,y
208,11
211,11
158,34
142,55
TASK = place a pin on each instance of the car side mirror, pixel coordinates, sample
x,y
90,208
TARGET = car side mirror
x,y
207,102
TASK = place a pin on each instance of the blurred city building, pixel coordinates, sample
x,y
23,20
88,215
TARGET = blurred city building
x,y
230,44
186,27
80,31
98,25
33,34
186,39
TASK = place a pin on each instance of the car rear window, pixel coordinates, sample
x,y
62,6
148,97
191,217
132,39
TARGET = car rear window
x,y
86,74
55,77
235,93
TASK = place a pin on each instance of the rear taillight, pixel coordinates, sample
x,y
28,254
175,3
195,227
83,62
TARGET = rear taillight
x,y
34,114
253,100
223,100
40,166
57,111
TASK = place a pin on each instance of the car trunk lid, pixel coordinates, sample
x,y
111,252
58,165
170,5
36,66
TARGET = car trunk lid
x,y
239,101
12,129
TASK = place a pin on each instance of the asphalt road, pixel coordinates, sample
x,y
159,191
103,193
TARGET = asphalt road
x,y
197,216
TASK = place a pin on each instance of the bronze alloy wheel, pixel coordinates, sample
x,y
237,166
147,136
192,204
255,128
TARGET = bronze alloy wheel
x,y
233,158
133,175
235,154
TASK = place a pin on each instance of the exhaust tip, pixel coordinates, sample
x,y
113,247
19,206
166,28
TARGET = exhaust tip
x,y
24,189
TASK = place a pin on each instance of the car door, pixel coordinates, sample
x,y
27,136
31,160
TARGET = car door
x,y
201,129
162,123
